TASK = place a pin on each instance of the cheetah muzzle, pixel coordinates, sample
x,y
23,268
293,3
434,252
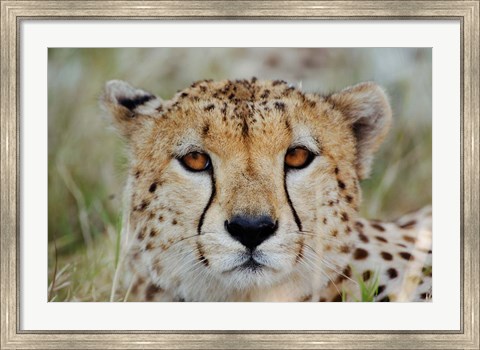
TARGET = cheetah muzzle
x,y
249,190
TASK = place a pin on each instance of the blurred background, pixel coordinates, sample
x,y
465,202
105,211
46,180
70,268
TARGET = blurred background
x,y
87,164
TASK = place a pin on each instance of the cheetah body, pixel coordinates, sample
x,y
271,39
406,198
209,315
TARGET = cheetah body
x,y
176,243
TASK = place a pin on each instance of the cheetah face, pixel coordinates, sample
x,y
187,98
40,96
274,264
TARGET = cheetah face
x,y
240,186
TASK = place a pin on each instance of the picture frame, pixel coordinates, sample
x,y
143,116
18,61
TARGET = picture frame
x,y
14,12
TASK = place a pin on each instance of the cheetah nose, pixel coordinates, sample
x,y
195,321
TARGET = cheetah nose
x,y
251,231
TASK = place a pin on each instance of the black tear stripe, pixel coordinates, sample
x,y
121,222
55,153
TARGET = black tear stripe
x,y
294,212
134,102
210,200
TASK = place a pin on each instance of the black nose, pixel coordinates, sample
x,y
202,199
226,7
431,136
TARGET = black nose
x,y
251,231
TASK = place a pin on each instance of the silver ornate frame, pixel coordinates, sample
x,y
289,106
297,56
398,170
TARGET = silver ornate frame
x,y
13,12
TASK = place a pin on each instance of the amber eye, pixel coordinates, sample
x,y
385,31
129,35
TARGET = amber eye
x,y
298,158
196,161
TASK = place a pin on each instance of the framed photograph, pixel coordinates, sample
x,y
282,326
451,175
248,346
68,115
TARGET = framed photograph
x,y
223,174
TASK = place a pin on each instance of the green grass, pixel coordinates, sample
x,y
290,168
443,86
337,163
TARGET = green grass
x,y
368,289
86,275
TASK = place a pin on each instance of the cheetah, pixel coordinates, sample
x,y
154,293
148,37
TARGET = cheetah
x,y
249,190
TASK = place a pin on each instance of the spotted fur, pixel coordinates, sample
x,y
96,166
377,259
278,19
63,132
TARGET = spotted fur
x,y
176,246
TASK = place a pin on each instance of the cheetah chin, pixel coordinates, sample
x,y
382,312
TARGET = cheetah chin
x,y
249,190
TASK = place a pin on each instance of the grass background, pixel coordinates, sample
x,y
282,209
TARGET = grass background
x,y
87,163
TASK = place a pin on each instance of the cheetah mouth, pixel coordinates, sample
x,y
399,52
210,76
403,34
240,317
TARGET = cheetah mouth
x,y
252,263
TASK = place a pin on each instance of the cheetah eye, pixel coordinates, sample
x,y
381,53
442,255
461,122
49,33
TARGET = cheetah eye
x,y
298,158
196,161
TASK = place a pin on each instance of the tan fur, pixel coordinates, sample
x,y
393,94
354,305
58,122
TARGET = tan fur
x,y
176,245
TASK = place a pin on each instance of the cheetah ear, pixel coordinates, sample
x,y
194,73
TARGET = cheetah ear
x,y
129,108
367,108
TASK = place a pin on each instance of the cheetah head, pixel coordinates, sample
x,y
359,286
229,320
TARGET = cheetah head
x,y
237,187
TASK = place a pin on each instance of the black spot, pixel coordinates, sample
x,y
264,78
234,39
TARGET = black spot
x,y
174,222
201,255
141,206
341,184
299,255
205,129
349,198
278,82
392,273
132,103
231,96
224,109
337,299
137,174
160,218
152,187
381,239
153,233
408,225
386,256
423,296
380,289
378,227
209,107
363,238
245,128
279,106
265,94
141,234
406,256
366,275
344,216
360,254
384,299
336,171
184,94
151,291
346,273
306,298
